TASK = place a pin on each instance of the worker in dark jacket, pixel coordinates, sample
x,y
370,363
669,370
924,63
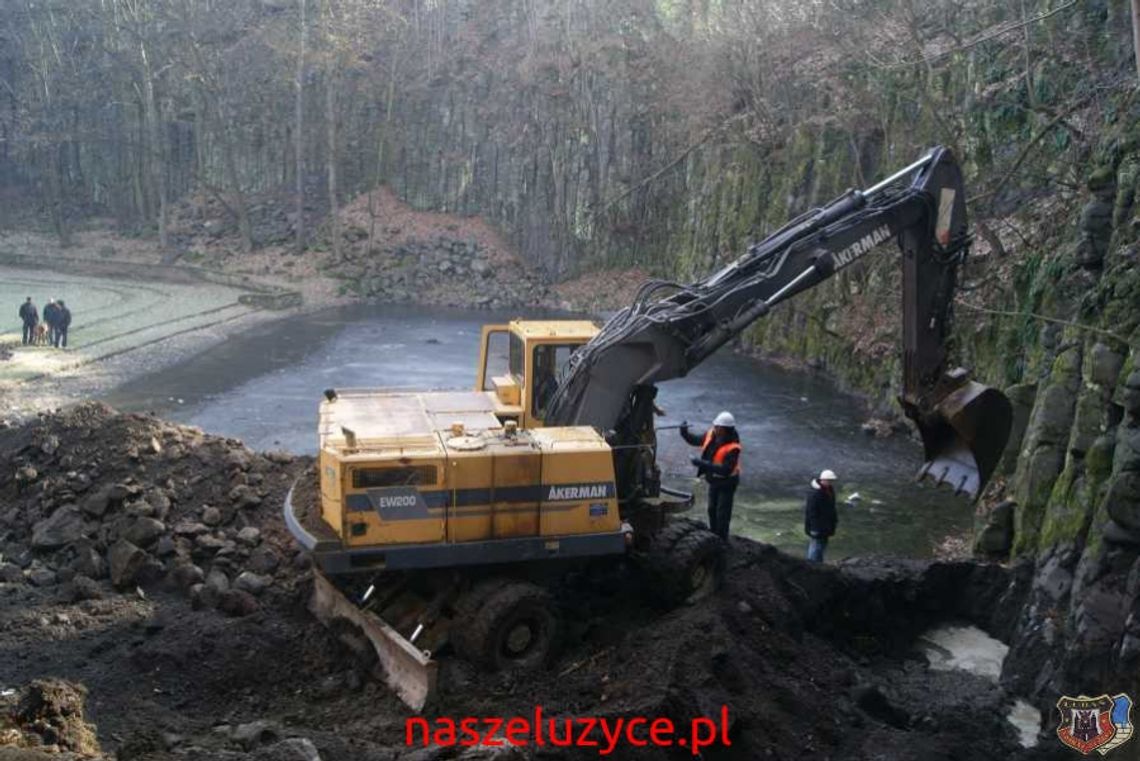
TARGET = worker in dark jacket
x,y
29,316
62,323
719,463
51,316
820,518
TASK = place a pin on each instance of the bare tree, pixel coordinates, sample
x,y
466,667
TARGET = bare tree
x,y
332,75
1136,34
299,129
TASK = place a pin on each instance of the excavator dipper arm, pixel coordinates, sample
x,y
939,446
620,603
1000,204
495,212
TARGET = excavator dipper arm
x,y
672,328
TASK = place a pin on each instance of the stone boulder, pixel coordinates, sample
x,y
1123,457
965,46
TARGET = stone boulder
x,y
1123,500
124,561
996,537
59,529
145,531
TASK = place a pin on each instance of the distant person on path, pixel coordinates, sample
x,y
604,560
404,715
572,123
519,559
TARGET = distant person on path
x,y
719,464
51,317
820,518
63,322
30,317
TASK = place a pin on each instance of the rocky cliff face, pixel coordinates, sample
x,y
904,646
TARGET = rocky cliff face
x,y
1076,482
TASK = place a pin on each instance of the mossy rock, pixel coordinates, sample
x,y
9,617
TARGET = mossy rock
x,y
1069,510
1102,178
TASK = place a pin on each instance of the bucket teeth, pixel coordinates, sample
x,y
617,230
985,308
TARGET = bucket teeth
x,y
964,436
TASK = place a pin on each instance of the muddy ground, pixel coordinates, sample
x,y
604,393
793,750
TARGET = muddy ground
x,y
147,565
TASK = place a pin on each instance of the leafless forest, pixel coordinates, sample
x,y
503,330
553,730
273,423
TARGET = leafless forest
x,y
596,132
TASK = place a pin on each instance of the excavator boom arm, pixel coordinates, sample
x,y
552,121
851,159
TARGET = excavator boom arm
x,y
672,328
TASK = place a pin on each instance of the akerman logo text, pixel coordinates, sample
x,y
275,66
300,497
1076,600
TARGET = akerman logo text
x,y
862,246
578,492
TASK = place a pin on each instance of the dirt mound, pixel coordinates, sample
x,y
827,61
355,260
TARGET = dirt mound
x,y
93,495
601,291
49,716
149,562
389,251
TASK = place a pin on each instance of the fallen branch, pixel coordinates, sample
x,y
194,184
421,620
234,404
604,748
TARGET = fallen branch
x,y
709,133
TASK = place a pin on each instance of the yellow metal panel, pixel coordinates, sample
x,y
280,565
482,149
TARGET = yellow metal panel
x,y
365,527
381,420
468,471
576,438
331,504
586,472
506,389
570,330
515,500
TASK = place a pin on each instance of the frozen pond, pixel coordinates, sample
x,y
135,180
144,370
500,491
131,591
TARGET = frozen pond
x,y
263,386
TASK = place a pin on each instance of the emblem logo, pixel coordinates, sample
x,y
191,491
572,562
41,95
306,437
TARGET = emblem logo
x,y
1102,723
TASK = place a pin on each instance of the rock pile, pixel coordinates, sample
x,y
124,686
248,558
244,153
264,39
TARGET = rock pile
x,y
96,502
444,271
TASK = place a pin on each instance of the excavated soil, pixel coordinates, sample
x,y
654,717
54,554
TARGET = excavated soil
x,y
147,565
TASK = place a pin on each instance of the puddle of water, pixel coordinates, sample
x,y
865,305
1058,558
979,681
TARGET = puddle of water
x,y
968,648
1026,720
964,647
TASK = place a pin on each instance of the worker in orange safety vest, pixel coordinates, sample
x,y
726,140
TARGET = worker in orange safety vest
x,y
719,464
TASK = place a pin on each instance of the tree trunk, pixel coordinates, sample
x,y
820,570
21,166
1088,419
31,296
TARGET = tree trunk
x,y
300,132
330,117
234,182
381,146
1136,34
155,156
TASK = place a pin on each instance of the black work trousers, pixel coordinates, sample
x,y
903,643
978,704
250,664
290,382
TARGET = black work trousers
x,y
720,506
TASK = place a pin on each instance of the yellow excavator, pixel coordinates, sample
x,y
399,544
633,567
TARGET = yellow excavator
x,y
435,516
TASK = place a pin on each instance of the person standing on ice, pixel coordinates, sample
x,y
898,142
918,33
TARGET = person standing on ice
x,y
719,464
820,518
29,316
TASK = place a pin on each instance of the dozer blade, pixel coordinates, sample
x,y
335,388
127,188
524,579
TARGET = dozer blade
x,y
964,436
409,672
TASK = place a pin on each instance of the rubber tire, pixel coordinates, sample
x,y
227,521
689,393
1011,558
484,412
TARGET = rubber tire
x,y
685,564
487,616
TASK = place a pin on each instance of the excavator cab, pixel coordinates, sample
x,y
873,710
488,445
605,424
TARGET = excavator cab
x,y
521,363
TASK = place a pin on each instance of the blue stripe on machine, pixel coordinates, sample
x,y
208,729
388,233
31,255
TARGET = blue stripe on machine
x,y
445,498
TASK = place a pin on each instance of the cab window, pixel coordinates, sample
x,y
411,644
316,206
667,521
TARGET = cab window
x,y
498,358
549,362
517,358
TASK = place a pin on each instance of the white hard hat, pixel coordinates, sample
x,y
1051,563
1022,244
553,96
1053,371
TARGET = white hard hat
x,y
827,475
725,419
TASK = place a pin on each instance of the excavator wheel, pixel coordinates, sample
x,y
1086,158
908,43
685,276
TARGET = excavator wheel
x,y
505,625
684,563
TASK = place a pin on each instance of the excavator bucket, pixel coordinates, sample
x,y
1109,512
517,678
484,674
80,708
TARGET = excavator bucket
x,y
964,436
